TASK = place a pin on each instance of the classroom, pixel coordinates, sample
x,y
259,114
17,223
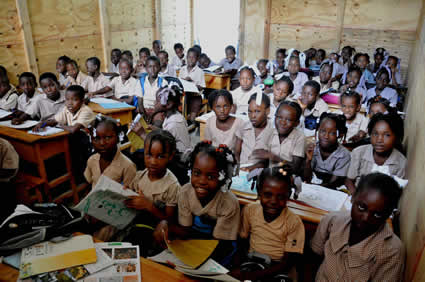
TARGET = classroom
x,y
248,140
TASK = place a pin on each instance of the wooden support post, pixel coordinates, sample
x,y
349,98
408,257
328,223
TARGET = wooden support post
x,y
106,35
25,25
192,23
339,23
267,29
157,10
241,42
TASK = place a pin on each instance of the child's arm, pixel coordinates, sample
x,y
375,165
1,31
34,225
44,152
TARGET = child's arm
x,y
104,90
43,124
350,185
308,171
142,203
164,230
359,136
73,128
20,118
238,149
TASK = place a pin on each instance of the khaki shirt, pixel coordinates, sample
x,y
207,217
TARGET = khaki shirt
x,y
241,98
10,100
177,126
149,96
324,87
360,122
44,108
24,105
9,159
196,74
218,136
83,116
336,164
292,145
82,80
319,107
101,82
299,82
130,87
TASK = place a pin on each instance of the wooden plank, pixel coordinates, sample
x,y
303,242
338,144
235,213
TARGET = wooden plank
x,y
25,26
192,22
106,35
241,39
267,29
339,23
157,10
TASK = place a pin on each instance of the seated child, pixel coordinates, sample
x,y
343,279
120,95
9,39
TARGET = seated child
x,y
356,122
379,105
156,48
386,134
9,165
278,65
231,65
394,64
108,160
140,67
191,72
96,80
127,55
381,89
179,59
320,56
353,82
328,159
51,102
272,229
205,61
338,70
254,134
345,59
360,245
61,69
75,76
362,61
287,144
378,58
282,90
8,94
297,77
312,105
125,87
28,83
166,68
206,209
242,94
115,59
325,77
264,72
221,128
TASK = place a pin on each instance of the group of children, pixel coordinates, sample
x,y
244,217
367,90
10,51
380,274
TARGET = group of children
x,y
275,123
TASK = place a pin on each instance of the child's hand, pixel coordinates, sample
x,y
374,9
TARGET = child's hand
x,y
303,106
359,136
138,202
39,127
90,95
106,233
309,151
161,234
16,121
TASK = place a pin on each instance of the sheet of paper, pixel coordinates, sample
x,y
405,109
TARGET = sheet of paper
x,y
103,100
240,183
26,124
106,203
212,68
189,86
320,197
47,131
4,113
192,252
103,261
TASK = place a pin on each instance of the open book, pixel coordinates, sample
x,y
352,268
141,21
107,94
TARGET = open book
x,y
106,203
135,140
321,197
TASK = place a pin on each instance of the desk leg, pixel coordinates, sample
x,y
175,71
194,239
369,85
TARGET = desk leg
x,y
42,171
69,169
228,84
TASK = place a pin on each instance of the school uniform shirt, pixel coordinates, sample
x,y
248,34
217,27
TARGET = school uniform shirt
x,y
121,169
9,159
337,69
161,192
149,96
360,122
367,76
362,162
398,78
45,108
285,234
379,257
299,82
177,126
62,79
292,145
250,142
114,68
169,71
235,65
217,136
177,62
10,100
100,82
324,87
196,74
83,116
223,210
130,87
388,93
82,80
319,107
241,98
24,105
336,164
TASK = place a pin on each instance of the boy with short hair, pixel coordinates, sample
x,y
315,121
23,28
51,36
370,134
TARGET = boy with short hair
x,y
96,79
156,47
115,59
28,83
179,59
140,66
166,68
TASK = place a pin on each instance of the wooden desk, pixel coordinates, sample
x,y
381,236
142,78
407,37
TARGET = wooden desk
x,y
123,114
36,149
217,81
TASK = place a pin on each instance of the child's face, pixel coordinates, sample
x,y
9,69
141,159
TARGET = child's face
x,y
346,54
27,85
273,197
382,137
246,80
325,74
205,175
104,139
391,63
333,57
127,57
230,55
362,62
156,48
60,66
72,102
152,68
382,81
378,59
328,135
286,120
353,79
294,66
280,91
349,107
163,59
125,70
204,62
308,96
280,57
377,108
221,108
262,68
319,57
72,70
157,158
192,58
4,87
257,114
143,57
50,88
369,211
115,57
91,68
179,52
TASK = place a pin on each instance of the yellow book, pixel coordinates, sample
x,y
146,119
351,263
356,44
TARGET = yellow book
x,y
192,252
135,140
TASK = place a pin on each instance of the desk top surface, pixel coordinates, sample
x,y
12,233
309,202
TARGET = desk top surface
x,y
99,109
223,75
24,136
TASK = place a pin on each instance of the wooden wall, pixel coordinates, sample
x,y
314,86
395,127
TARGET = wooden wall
x,y
412,205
